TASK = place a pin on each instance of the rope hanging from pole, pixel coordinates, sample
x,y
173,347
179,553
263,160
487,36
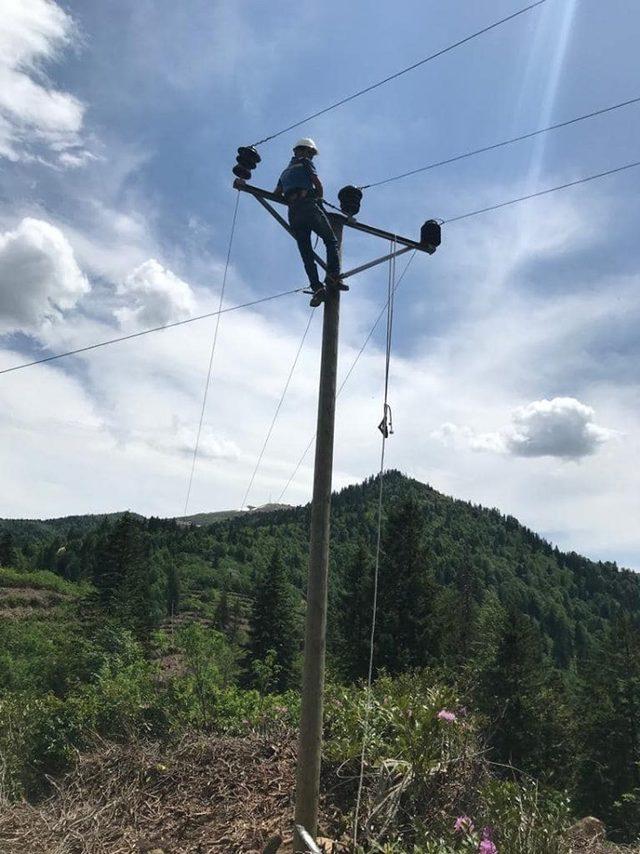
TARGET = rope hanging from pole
x,y
385,428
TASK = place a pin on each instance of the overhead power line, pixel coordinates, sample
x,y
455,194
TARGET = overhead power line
x,y
298,290
451,219
402,71
148,331
543,192
278,407
504,142
211,355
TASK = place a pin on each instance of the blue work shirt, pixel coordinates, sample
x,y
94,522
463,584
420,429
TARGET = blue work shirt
x,y
298,175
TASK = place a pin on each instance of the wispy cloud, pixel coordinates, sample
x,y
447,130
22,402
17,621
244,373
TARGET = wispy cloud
x,y
34,114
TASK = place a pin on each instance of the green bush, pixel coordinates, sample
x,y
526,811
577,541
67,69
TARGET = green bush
x,y
121,701
39,733
41,580
403,722
37,737
527,819
38,656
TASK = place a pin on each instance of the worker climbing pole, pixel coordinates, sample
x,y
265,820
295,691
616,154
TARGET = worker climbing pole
x,y
300,189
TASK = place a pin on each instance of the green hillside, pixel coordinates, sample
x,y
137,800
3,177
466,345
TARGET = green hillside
x,y
570,597
118,625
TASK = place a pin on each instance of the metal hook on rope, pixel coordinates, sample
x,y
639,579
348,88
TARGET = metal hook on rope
x,y
386,425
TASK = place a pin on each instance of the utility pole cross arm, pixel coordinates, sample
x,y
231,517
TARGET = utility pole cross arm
x,y
347,221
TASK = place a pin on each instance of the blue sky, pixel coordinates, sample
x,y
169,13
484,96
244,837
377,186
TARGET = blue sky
x,y
515,380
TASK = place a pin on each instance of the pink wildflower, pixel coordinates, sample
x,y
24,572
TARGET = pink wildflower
x,y
487,845
463,824
445,715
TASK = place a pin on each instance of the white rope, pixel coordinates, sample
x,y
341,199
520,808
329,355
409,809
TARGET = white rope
x,y
374,608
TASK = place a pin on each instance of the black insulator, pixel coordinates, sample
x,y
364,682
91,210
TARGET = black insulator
x,y
241,172
431,234
350,198
248,154
245,162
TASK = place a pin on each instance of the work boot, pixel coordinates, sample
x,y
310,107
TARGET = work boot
x,y
319,295
336,282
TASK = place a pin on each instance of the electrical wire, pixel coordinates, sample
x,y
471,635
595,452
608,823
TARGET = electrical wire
x,y
298,290
450,220
278,407
212,354
505,142
543,192
348,374
148,331
401,72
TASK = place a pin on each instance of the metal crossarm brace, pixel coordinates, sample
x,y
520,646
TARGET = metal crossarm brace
x,y
349,222
286,226
376,262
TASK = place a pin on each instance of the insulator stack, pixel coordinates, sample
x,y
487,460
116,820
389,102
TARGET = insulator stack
x,y
431,235
350,198
247,160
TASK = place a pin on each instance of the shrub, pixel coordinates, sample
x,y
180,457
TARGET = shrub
x,y
39,733
41,580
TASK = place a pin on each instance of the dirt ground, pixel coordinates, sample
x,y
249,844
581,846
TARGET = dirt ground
x,y
207,795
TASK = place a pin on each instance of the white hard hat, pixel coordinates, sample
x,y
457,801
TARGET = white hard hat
x,y
306,142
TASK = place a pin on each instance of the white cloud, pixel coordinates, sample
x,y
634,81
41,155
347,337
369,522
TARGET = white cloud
x,y
562,427
159,296
39,276
33,111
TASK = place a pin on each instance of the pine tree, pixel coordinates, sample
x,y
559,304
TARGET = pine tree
x,y
354,615
173,590
7,549
235,621
407,593
456,613
609,714
222,615
525,703
273,623
125,576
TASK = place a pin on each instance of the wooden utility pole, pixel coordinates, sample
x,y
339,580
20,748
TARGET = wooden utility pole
x,y
310,739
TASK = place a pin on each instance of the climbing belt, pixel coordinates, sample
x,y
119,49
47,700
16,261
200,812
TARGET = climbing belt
x,y
385,428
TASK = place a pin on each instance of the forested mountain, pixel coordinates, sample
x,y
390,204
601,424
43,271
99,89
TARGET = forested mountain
x,y
120,623
464,549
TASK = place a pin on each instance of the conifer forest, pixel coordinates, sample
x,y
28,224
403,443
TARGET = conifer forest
x,y
506,672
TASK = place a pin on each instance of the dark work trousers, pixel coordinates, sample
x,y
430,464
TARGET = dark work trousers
x,y
306,216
